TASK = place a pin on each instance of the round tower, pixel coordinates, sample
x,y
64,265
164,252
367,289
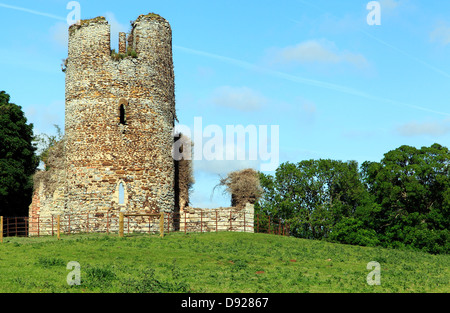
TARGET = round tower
x,y
120,112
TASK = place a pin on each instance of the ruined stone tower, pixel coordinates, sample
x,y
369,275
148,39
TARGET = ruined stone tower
x,y
120,112
116,155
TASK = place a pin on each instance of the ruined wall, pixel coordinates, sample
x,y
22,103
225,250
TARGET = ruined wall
x,y
220,219
49,188
184,171
103,150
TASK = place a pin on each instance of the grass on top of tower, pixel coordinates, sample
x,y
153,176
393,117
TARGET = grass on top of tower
x,y
86,22
120,56
152,16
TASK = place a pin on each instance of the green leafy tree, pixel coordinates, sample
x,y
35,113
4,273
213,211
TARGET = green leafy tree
x,y
411,187
353,231
312,195
402,201
17,159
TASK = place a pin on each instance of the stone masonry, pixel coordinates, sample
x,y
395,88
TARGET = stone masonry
x,y
102,151
119,118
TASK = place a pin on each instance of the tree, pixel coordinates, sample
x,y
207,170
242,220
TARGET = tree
x,y
412,189
17,159
312,195
353,231
402,201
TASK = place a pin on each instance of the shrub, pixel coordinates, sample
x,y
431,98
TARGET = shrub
x,y
352,231
243,186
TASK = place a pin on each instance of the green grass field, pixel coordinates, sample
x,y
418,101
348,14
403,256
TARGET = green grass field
x,y
212,262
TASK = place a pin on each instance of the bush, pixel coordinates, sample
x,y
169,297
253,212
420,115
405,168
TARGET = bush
x,y
352,231
243,186
429,240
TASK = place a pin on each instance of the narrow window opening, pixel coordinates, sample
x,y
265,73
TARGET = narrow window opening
x,y
122,114
121,194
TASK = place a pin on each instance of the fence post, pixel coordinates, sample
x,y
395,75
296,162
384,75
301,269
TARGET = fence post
x,y
216,222
107,223
257,223
244,220
120,224
58,226
1,229
168,223
185,224
161,224
201,221
149,225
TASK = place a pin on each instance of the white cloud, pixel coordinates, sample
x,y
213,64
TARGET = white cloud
x,y
330,24
204,72
309,51
305,112
441,34
240,98
116,28
389,5
431,128
316,51
223,167
233,156
60,34
308,107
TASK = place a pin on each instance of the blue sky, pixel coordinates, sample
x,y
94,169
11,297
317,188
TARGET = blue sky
x,y
337,87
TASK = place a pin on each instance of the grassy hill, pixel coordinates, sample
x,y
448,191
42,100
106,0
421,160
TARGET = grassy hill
x,y
213,262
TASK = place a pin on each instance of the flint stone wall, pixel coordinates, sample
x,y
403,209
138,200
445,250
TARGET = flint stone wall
x,y
220,219
102,152
104,148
